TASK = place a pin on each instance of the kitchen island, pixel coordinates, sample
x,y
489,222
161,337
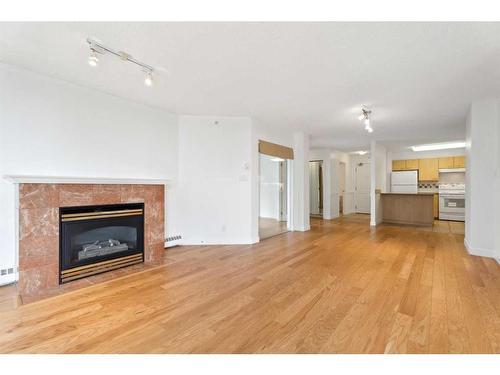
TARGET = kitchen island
x,y
408,208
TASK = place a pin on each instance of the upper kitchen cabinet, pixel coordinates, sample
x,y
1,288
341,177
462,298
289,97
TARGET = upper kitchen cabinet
x,y
411,164
398,165
428,169
446,163
459,162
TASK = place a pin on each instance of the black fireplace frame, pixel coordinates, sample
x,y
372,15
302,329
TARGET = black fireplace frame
x,y
100,209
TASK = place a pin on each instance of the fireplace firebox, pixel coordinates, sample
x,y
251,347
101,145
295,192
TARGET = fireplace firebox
x,y
96,239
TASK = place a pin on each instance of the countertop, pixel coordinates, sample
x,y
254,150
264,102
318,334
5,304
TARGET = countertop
x,y
407,193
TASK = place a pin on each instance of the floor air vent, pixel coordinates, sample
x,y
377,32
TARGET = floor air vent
x,y
172,241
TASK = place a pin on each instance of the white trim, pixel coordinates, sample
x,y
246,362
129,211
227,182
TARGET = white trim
x,y
220,241
26,179
479,252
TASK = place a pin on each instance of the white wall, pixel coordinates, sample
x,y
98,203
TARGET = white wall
x,y
51,127
213,192
328,178
482,210
269,180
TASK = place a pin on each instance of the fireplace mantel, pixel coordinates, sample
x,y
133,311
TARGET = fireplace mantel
x,y
27,179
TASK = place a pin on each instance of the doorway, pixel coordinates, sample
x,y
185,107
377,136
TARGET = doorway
x,y
341,177
273,196
362,188
316,188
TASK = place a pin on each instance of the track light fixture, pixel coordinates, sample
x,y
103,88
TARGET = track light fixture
x,y
99,48
365,117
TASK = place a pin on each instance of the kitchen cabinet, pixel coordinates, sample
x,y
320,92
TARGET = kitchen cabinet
x,y
411,164
436,206
398,165
431,166
459,162
428,169
446,163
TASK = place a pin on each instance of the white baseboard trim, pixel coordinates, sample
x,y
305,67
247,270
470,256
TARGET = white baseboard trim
x,y
488,253
219,241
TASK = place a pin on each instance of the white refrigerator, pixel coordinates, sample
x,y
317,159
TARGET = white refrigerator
x,y
404,182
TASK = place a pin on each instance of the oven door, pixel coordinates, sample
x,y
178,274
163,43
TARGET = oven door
x,y
452,203
452,207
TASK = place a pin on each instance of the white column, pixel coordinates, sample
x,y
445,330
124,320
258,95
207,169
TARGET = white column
x,y
482,187
373,183
300,221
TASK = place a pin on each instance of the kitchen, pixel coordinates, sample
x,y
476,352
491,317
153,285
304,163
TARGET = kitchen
x,y
424,190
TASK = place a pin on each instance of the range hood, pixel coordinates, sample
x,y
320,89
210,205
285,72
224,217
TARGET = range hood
x,y
451,170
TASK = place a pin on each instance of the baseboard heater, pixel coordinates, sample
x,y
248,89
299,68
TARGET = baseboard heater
x,y
172,241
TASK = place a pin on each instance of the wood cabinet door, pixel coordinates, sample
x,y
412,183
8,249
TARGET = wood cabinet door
x,y
412,164
446,162
459,162
428,169
436,206
398,165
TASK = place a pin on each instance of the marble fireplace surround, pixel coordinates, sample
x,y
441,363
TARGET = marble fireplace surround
x,y
39,200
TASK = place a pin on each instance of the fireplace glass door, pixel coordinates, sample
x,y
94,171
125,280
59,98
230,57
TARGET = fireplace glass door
x,y
99,235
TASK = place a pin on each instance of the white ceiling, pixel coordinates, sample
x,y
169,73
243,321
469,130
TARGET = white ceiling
x,y
418,78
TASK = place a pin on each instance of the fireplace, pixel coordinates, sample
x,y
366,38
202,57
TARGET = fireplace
x,y
96,239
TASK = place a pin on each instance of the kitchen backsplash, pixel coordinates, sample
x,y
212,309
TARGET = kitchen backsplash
x,y
428,185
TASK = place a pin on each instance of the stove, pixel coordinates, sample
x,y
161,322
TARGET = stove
x,y
452,201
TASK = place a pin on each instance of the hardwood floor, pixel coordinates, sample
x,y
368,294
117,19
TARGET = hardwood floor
x,y
342,287
271,227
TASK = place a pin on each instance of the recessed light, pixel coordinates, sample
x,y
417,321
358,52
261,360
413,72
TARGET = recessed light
x,y
362,152
438,146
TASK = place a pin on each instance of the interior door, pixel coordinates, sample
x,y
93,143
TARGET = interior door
x,y
314,187
362,188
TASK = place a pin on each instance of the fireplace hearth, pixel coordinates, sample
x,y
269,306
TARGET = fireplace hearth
x,y
96,239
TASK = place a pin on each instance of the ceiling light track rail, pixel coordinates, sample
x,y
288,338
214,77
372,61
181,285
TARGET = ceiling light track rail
x,y
99,48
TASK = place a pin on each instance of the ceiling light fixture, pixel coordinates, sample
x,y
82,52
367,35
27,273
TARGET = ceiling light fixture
x,y
365,117
438,146
99,48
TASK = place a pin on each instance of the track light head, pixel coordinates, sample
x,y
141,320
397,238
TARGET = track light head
x,y
148,81
93,59
365,117
367,123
